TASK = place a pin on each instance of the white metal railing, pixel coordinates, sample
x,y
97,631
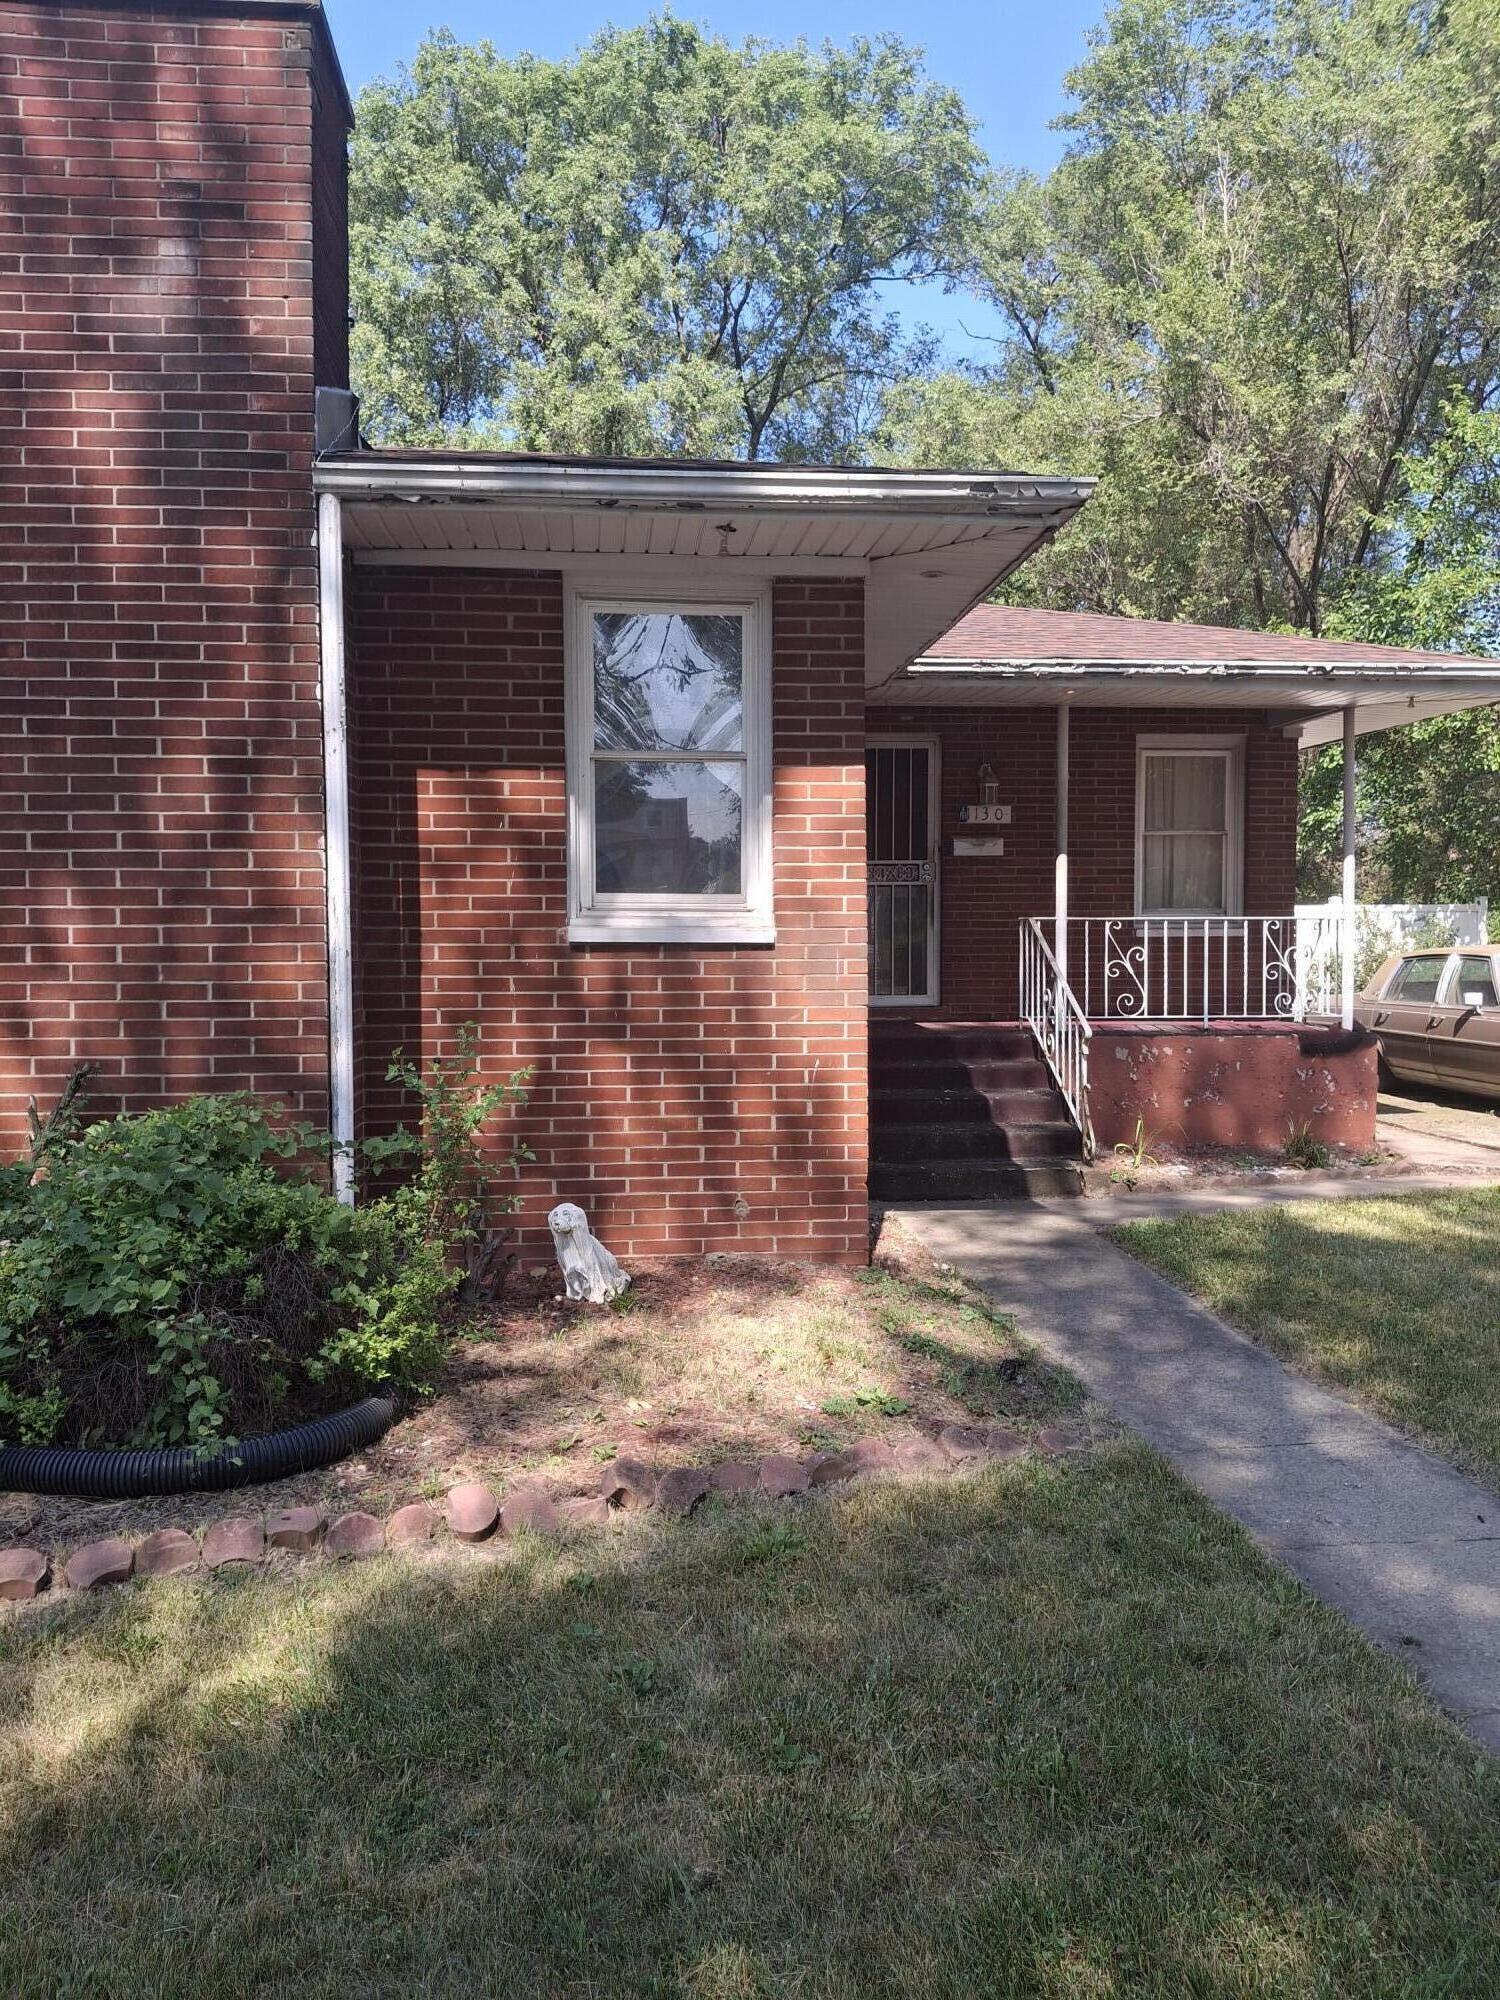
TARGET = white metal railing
x,y
1058,1025
1200,968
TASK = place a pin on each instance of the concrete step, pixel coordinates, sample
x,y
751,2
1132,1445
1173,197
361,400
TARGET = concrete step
x,y
1054,1139
965,1111
973,1180
963,1107
1010,1073
899,1041
1032,1074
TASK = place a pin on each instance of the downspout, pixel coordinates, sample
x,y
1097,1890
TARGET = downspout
x,y
1350,907
336,865
1060,863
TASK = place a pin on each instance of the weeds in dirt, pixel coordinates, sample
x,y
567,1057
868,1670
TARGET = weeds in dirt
x,y
1305,1150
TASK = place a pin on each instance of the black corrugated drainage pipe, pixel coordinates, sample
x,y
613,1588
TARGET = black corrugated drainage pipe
x,y
133,1475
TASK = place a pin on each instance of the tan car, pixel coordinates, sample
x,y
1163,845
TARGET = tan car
x,y
1437,1014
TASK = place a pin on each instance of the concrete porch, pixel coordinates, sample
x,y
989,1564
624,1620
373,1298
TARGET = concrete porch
x,y
985,1110
966,1111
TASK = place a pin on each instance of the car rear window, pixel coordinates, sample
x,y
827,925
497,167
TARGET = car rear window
x,y
1418,978
1475,984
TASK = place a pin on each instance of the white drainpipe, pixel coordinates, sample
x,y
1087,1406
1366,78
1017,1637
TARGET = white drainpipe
x,y
336,845
1348,925
1060,866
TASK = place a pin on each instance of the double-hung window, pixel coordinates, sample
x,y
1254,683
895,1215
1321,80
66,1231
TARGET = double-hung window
x,y
669,772
1189,816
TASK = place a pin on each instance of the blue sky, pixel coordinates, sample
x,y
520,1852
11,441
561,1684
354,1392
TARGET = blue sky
x,y
1007,59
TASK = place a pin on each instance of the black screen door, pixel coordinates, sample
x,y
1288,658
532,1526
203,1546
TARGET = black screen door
x,y
901,836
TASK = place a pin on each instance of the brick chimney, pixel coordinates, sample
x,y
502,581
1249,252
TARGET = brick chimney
x,y
174,274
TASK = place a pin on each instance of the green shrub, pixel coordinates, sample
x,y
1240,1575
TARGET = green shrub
x,y
182,1276
452,1189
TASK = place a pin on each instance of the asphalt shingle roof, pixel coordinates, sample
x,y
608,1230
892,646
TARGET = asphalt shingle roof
x,y
1004,635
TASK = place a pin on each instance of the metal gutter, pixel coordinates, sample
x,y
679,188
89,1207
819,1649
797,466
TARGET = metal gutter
x,y
745,489
1464,668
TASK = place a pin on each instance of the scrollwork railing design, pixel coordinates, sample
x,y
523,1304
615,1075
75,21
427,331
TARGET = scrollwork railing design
x,y
1200,968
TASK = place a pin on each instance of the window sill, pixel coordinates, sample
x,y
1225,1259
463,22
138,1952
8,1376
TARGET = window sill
x,y
665,930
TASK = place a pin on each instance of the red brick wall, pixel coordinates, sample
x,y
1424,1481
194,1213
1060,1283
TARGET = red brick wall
x,y
671,1082
983,900
330,221
160,769
1250,1088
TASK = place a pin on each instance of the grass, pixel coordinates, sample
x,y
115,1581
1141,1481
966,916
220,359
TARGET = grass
x,y
1396,1300
1053,1731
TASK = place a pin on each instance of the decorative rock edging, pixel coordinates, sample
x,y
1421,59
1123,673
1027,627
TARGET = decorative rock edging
x,y
23,1572
296,1528
473,1513
169,1552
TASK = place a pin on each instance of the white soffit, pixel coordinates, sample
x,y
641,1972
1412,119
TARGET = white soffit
x,y
928,544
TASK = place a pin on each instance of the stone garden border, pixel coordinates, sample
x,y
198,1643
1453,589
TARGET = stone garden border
x,y
471,1512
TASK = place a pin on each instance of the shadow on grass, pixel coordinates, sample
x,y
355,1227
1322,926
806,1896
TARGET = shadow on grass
x,y
1395,1298
704,1363
967,1349
1054,1731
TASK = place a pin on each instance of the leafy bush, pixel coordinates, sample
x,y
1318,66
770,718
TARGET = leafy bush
x,y
182,1276
453,1189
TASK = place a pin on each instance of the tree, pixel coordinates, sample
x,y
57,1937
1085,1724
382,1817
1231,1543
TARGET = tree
x,y
1264,269
1428,795
668,244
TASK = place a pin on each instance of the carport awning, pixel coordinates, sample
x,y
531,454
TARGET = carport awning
x,y
1003,656
1309,705
928,544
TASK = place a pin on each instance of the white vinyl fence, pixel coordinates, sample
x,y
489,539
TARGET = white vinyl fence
x,y
1381,928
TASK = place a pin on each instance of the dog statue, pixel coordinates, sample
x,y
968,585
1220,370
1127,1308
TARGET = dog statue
x,y
589,1271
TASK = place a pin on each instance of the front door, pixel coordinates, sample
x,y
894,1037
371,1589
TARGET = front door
x,y
901,824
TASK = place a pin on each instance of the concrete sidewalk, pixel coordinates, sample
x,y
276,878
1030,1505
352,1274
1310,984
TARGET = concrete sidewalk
x,y
1438,1132
1104,1211
1405,1547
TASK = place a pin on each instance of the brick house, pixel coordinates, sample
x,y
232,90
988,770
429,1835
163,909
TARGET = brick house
x,y
701,789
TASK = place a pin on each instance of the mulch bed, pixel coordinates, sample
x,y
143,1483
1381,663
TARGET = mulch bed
x,y
540,1389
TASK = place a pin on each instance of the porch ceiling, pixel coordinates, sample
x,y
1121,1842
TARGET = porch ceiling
x,y
928,544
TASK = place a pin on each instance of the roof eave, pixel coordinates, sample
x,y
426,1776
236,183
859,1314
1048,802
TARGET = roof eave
x,y
747,489
1462,667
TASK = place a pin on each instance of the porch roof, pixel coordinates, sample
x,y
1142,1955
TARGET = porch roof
x,y
1001,655
927,543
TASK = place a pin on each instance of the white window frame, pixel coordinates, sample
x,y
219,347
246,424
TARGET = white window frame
x,y
1232,749
659,918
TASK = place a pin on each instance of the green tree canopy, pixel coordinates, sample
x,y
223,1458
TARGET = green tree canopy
x,y
668,244
1263,270
1428,795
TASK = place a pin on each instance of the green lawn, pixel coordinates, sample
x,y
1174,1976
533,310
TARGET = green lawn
x,y
1396,1299
1055,1731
